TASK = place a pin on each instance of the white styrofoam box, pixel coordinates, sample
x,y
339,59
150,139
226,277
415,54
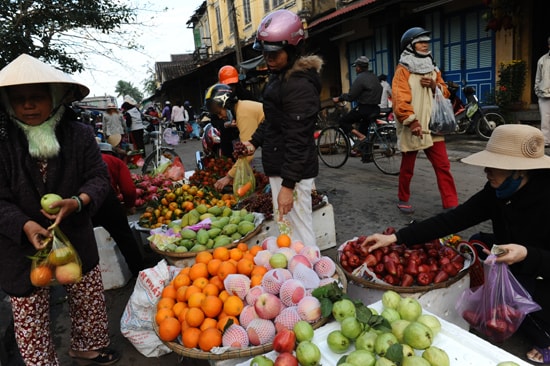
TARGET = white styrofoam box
x,y
462,347
323,227
439,301
114,270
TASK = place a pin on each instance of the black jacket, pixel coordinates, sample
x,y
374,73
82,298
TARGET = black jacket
x,y
291,103
521,219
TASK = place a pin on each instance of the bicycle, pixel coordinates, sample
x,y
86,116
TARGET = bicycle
x,y
334,146
162,153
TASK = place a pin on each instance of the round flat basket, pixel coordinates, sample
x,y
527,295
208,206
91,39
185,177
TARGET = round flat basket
x,y
239,353
410,289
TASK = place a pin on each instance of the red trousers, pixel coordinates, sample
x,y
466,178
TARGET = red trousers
x,y
31,316
437,155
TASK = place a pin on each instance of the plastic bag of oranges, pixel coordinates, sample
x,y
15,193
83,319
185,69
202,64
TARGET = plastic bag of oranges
x,y
244,182
58,263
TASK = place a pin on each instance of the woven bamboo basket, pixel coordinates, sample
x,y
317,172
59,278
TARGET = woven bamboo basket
x,y
239,353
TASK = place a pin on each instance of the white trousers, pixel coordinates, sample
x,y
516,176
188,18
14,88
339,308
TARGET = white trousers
x,y
298,223
544,107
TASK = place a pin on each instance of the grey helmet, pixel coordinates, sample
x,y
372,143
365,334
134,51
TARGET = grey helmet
x,y
409,35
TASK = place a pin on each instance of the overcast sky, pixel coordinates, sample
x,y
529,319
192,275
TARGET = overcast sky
x,y
169,35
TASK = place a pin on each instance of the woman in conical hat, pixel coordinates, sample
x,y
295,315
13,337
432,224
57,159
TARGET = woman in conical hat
x,y
515,199
44,150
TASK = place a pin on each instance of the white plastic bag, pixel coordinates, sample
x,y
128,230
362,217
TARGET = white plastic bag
x,y
136,323
442,121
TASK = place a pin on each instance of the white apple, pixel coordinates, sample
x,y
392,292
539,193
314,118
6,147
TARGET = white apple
x,y
47,200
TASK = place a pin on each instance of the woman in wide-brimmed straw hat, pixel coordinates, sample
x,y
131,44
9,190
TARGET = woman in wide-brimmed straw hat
x,y
516,199
44,150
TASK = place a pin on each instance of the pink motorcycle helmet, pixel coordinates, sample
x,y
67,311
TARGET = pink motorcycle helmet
x,y
279,29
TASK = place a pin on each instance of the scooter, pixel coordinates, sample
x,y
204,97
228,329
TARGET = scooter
x,y
473,118
210,140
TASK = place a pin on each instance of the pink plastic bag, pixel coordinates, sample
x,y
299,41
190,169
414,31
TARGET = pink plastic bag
x,y
176,171
496,308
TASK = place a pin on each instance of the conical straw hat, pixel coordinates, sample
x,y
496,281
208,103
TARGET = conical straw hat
x,y
26,69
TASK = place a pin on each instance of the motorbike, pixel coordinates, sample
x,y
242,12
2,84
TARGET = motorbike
x,y
210,140
472,117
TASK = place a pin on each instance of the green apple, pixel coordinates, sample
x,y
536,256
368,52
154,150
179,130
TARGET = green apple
x,y
47,200
261,361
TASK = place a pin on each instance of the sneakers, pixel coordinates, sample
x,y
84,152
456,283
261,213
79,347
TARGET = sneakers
x,y
405,207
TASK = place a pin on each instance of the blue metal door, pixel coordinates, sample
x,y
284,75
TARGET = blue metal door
x,y
469,52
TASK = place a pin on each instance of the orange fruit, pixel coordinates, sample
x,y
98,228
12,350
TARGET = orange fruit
x,y
245,266
217,281
178,308
243,247
181,280
195,300
185,270
221,253
256,280
41,276
211,306
190,337
169,291
223,295
235,254
203,257
190,291
223,321
198,270
249,256
180,293
162,314
211,289
226,268
181,317
194,317
209,323
169,329
233,305
255,249
166,302
200,282
284,241
213,266
210,338
259,270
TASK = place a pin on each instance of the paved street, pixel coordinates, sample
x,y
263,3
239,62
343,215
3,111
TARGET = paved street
x,y
364,201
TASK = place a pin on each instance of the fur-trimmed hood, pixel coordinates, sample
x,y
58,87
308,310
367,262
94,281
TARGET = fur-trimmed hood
x,y
305,63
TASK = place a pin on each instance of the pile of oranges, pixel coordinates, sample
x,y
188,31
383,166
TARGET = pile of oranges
x,y
195,304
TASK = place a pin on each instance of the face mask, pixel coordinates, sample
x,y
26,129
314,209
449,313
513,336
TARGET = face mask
x,y
508,187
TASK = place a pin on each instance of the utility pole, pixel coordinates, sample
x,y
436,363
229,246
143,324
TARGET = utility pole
x,y
233,16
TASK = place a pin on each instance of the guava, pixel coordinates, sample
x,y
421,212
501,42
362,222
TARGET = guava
x,y
47,200
308,354
361,358
409,309
390,315
342,309
418,336
408,351
431,322
383,361
383,342
261,361
436,356
398,327
337,342
391,299
415,361
303,331
351,327
278,260
507,363
366,340
61,256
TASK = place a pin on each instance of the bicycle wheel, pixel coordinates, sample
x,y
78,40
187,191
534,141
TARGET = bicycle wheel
x,y
152,161
487,123
333,147
385,152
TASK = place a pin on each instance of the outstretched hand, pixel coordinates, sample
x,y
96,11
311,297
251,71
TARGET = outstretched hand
x,y
376,241
66,207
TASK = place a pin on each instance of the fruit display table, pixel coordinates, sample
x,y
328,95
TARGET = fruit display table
x,y
463,348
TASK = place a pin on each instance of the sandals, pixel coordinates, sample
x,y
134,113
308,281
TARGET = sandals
x,y
544,352
405,207
106,356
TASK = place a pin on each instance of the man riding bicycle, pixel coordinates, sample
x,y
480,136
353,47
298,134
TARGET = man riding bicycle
x,y
366,91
